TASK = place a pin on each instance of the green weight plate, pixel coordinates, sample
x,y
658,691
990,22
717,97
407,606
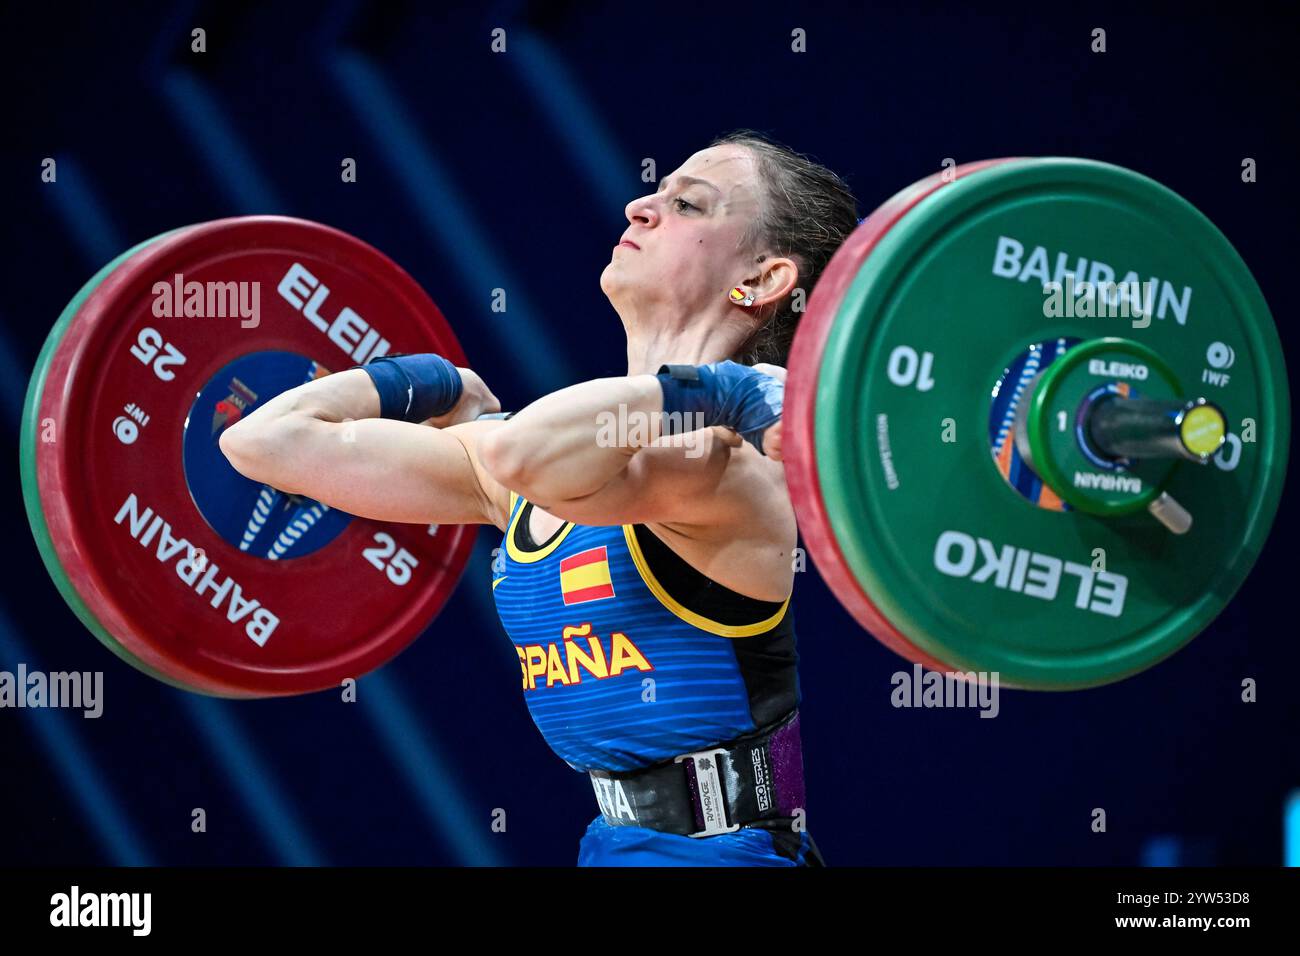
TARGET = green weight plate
x,y
32,433
961,563
800,405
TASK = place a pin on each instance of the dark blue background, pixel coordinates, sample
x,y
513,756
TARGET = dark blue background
x,y
479,171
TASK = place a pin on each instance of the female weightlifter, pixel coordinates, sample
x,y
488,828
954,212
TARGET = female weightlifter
x,y
647,562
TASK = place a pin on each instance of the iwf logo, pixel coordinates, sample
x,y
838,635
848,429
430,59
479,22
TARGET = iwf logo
x,y
231,408
1220,357
127,429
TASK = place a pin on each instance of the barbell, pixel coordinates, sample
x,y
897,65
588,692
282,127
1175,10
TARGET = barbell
x,y
1036,424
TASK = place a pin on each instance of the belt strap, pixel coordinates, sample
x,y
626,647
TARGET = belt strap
x,y
712,791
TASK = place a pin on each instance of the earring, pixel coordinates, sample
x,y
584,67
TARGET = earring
x,y
741,297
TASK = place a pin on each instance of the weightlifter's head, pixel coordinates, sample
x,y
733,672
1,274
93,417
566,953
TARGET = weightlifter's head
x,y
745,212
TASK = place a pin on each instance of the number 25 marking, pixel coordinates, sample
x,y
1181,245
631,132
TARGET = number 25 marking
x,y
146,348
399,568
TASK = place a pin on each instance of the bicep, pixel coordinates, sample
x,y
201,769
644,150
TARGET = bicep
x,y
709,483
378,468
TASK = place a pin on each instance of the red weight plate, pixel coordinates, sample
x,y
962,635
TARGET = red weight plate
x,y
34,432
219,583
800,394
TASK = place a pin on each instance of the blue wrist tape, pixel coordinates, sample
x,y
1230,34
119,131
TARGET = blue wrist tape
x,y
721,393
414,387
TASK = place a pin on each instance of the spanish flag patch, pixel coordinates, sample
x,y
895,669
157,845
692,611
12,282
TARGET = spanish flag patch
x,y
585,576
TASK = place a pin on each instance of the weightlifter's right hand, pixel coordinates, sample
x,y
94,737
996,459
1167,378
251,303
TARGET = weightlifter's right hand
x,y
475,399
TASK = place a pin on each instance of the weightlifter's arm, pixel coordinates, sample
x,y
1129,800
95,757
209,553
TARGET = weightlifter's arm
x,y
594,453
325,440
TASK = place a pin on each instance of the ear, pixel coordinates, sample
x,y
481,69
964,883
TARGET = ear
x,y
775,281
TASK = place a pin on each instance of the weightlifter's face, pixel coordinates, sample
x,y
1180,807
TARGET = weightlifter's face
x,y
683,247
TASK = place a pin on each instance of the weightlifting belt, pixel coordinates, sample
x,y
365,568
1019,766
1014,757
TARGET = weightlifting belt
x,y
752,778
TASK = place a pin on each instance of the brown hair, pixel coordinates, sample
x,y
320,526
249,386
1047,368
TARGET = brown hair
x,y
806,212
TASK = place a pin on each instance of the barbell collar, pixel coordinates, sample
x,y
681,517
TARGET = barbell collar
x,y
1142,428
